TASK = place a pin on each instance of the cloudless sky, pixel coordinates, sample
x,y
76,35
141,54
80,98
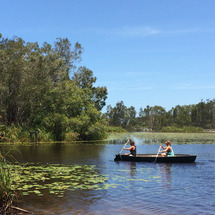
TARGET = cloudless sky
x,y
146,52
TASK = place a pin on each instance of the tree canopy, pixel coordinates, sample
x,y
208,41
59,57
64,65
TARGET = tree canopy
x,y
157,118
40,87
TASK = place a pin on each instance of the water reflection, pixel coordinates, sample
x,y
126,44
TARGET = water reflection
x,y
87,199
165,173
133,168
56,153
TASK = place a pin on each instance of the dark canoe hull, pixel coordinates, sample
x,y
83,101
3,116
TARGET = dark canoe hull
x,y
178,158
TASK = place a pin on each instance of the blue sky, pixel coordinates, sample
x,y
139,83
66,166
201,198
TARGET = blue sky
x,y
146,52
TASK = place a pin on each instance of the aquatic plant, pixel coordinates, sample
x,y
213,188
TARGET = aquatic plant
x,y
56,178
6,193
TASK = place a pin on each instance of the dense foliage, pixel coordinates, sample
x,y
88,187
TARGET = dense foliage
x,y
41,89
186,118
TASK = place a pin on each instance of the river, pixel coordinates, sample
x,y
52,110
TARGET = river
x,y
124,187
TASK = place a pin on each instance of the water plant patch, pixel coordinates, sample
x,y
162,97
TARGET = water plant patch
x,y
55,178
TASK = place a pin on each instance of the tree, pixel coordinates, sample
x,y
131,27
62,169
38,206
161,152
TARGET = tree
x,y
131,117
37,91
203,114
65,52
156,118
12,75
120,115
182,115
28,74
88,125
85,80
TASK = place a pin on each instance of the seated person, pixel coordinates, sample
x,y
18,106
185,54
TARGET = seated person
x,y
167,150
132,148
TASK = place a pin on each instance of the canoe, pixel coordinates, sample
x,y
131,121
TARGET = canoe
x,y
177,158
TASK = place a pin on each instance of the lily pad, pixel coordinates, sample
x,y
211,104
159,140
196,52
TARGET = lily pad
x,y
55,178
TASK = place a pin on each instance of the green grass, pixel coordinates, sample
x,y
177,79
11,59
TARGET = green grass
x,y
184,129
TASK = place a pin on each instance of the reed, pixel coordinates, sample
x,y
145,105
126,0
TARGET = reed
x,y
6,193
184,129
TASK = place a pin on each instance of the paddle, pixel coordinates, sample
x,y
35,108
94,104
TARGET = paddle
x,y
124,146
157,154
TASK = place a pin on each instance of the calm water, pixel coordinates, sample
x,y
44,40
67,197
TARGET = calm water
x,y
139,188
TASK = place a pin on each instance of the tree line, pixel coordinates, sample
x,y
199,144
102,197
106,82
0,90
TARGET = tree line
x,y
42,89
156,118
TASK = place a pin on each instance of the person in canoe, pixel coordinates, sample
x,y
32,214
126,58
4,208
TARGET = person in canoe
x,y
167,152
132,149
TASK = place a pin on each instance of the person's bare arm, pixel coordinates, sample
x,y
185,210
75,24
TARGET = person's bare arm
x,y
128,148
165,149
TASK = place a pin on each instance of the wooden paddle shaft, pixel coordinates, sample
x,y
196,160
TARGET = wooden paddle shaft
x,y
124,146
157,154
